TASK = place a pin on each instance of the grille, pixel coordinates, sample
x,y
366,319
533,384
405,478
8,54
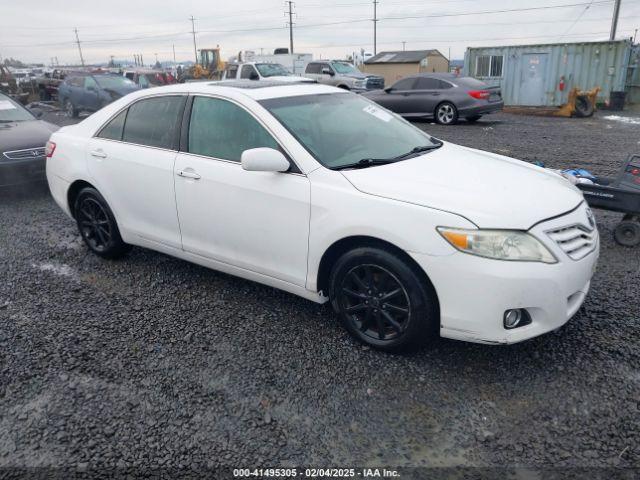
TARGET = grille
x,y
576,241
27,154
375,83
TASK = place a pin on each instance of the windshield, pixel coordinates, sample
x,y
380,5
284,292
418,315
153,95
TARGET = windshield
x,y
114,81
11,111
341,129
272,69
343,67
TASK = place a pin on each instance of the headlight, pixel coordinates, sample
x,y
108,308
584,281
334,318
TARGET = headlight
x,y
498,244
360,83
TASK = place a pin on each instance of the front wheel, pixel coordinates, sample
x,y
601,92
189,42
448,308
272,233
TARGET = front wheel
x,y
446,114
97,225
382,301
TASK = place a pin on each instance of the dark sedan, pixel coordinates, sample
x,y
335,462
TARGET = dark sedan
x,y
90,92
22,144
441,96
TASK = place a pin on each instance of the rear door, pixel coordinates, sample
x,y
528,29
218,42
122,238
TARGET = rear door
x,y
425,96
89,96
131,163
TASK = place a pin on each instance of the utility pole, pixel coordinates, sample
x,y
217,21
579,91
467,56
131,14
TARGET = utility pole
x,y
635,34
174,53
404,44
614,21
290,4
375,26
193,32
79,47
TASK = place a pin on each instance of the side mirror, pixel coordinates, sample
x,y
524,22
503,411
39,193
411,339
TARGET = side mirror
x,y
388,89
326,71
254,76
91,88
264,160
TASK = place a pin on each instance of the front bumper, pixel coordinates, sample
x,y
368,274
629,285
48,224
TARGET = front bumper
x,y
22,172
475,292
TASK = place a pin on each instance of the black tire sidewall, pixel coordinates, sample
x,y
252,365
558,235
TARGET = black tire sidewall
x,y
455,114
621,239
423,322
116,247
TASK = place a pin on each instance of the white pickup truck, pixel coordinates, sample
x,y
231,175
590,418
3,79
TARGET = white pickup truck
x,y
260,71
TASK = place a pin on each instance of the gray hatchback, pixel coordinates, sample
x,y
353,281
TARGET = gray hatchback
x,y
444,97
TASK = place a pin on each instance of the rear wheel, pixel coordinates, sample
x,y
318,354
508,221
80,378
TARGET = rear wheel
x,y
474,118
382,301
97,225
70,110
446,113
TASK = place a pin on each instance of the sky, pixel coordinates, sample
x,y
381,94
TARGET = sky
x,y
37,30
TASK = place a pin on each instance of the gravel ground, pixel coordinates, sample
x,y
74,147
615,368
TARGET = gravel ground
x,y
154,362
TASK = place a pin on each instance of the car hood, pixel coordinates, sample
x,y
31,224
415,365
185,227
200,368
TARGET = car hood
x,y
492,191
21,135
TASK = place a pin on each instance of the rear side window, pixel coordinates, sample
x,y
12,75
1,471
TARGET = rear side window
x,y
426,83
313,68
90,82
154,122
232,72
221,129
113,129
444,85
76,81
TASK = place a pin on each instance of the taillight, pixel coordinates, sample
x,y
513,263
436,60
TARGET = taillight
x,y
480,94
49,149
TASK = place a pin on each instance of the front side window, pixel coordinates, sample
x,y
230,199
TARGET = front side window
x,y
247,71
344,68
221,129
327,124
89,82
113,130
154,122
114,81
404,84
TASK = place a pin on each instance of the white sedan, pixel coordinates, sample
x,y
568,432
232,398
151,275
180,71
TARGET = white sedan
x,y
319,192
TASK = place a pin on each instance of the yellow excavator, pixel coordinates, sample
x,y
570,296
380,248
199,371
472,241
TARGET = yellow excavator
x,y
210,66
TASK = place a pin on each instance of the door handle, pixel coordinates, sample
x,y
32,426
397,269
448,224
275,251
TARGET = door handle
x,y
98,154
189,174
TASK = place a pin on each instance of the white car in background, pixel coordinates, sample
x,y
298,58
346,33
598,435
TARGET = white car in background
x,y
261,71
319,192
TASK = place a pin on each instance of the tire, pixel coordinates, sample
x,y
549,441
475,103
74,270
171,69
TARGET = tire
x,y
584,108
369,285
446,113
627,233
97,225
473,118
72,112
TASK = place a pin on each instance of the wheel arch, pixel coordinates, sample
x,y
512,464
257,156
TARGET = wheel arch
x,y
342,246
344,86
72,194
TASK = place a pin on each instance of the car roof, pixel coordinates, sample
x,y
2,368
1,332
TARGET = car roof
x,y
255,89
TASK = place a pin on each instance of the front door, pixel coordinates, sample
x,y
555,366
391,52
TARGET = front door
x,y
131,162
532,75
258,221
399,98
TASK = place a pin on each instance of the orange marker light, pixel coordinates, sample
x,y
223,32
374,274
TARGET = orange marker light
x,y
459,240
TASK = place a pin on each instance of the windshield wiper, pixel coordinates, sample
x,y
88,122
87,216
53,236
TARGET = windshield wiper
x,y
369,162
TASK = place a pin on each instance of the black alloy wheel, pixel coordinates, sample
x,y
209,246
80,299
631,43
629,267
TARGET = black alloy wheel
x,y
97,225
382,301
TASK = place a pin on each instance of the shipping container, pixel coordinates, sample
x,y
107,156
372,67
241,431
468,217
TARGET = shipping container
x,y
543,75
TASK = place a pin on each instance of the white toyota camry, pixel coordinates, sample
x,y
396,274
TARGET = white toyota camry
x,y
322,193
